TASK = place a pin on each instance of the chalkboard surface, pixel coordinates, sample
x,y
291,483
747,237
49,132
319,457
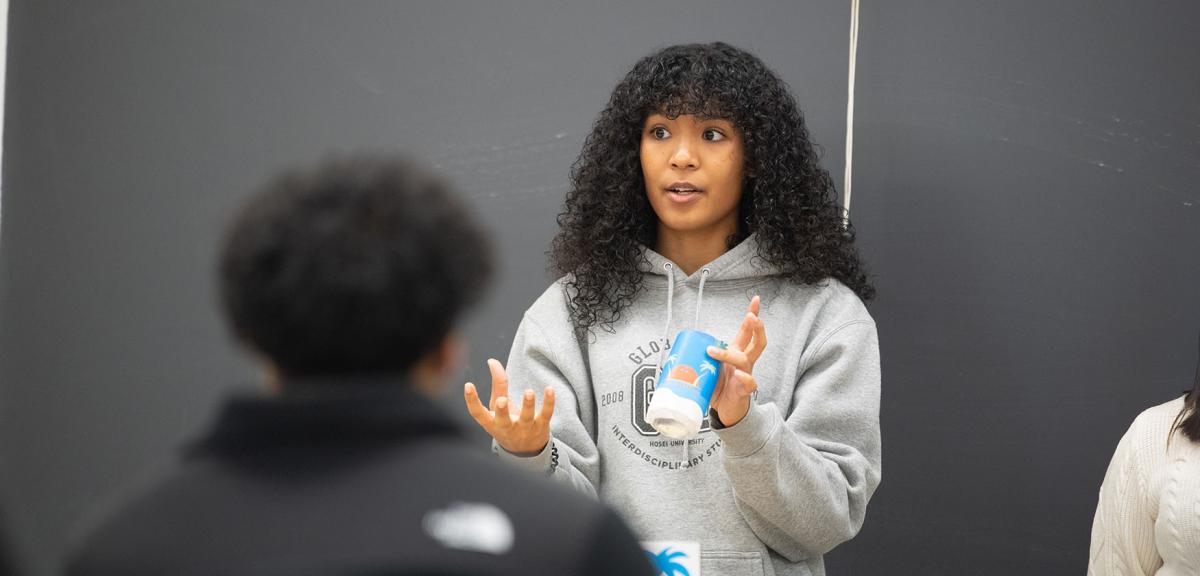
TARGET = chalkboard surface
x,y
1026,188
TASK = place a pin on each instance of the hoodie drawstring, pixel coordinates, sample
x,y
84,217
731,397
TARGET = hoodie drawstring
x,y
699,298
670,268
687,444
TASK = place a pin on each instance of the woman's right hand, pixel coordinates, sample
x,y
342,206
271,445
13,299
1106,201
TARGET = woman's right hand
x,y
516,429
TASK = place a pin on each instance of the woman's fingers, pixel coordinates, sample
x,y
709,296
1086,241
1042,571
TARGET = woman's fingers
x,y
738,359
475,408
517,425
746,330
543,417
758,342
528,401
750,326
746,384
732,356
503,420
753,335
499,381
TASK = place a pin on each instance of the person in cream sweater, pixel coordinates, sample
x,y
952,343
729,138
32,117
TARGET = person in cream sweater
x,y
1148,517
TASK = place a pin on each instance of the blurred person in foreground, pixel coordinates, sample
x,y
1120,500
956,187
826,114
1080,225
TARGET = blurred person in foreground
x,y
346,282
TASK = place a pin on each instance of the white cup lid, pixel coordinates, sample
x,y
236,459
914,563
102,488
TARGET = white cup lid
x,y
674,416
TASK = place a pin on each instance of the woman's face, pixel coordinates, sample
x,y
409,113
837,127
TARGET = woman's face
x,y
692,168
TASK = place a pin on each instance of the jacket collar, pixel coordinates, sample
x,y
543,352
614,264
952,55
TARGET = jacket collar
x,y
326,412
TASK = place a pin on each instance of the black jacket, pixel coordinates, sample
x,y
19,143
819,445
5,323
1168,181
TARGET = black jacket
x,y
362,479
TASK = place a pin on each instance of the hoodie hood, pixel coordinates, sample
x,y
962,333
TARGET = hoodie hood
x,y
740,266
742,262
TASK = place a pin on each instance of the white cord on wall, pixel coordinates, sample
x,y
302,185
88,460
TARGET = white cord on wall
x,y
3,60
850,106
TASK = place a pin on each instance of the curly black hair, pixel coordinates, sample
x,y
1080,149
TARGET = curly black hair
x,y
360,265
788,200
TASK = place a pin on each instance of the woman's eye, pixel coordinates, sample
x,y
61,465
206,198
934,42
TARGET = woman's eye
x,y
659,133
713,135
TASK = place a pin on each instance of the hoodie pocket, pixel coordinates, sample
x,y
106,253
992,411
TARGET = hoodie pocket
x,y
732,563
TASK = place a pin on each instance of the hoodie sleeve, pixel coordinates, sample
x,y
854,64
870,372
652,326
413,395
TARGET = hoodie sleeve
x,y
802,479
539,359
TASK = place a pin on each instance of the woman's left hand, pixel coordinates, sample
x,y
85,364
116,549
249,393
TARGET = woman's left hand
x,y
736,385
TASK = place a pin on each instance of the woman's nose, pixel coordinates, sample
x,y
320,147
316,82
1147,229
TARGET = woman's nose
x,y
682,158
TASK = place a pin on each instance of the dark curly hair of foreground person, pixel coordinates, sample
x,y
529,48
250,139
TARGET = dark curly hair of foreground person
x,y
788,200
361,265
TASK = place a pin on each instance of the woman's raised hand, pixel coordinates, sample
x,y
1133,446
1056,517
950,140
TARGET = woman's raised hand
x,y
517,429
736,384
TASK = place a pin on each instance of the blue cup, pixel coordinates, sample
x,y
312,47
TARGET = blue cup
x,y
685,386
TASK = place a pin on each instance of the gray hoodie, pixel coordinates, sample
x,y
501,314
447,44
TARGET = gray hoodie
x,y
769,495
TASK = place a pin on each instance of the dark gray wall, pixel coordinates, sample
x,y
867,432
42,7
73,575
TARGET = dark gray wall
x,y
1025,190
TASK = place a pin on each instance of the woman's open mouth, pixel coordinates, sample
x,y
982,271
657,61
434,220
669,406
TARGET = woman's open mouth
x,y
683,192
